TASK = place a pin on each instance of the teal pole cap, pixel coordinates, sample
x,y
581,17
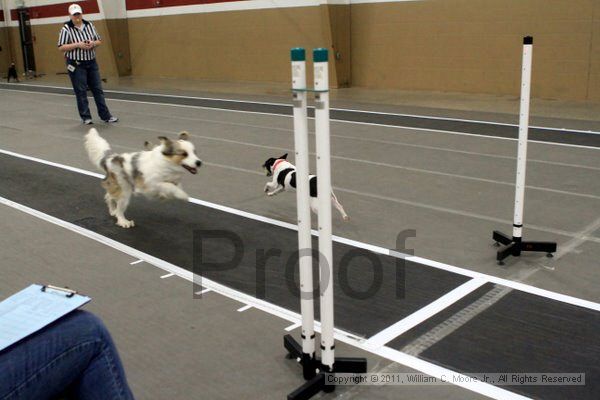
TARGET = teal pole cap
x,y
320,55
298,54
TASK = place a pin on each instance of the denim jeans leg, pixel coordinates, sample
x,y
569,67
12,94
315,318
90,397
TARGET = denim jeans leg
x,y
95,83
74,353
79,82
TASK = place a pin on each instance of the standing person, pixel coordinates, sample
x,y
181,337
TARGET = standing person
x,y
78,39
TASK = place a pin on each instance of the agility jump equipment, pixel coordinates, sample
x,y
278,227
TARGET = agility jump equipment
x,y
515,245
315,370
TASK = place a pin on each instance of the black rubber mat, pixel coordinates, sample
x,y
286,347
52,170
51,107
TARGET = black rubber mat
x,y
372,291
471,127
521,333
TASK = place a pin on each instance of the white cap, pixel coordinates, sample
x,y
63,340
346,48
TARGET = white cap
x,y
74,9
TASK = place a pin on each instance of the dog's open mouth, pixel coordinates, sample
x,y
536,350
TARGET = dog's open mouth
x,y
192,170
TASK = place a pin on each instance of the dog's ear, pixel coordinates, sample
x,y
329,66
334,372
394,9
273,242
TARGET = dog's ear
x,y
168,147
184,135
284,156
118,160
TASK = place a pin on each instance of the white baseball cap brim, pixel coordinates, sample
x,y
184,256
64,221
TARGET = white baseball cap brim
x,y
74,9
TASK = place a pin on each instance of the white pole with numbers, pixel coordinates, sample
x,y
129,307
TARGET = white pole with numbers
x,y
523,136
302,199
321,77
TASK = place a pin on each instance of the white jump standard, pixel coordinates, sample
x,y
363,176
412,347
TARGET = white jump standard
x,y
514,246
314,369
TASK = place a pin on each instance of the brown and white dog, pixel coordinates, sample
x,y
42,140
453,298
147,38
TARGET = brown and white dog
x,y
154,172
284,177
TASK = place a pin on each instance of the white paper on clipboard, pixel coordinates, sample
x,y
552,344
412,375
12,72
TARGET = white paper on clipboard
x,y
31,309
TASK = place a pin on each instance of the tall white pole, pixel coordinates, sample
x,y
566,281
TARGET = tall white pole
x,y
302,201
321,76
523,134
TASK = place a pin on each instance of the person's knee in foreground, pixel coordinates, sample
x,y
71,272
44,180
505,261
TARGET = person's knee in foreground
x,y
78,39
73,357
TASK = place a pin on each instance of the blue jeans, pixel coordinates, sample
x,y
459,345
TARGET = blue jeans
x,y
73,357
87,75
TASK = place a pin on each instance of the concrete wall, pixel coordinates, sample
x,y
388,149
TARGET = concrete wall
x,y
5,48
249,45
475,46
47,18
594,78
431,45
5,52
49,60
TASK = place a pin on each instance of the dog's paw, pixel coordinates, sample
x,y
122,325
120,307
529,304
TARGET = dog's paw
x,y
346,218
125,223
270,194
267,189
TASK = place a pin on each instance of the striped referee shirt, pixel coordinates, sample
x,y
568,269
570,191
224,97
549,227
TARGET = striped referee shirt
x,y
72,34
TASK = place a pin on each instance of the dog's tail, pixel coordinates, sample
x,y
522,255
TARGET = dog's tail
x,y
97,148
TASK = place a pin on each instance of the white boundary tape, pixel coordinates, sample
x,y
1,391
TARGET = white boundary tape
x,y
332,119
391,354
376,249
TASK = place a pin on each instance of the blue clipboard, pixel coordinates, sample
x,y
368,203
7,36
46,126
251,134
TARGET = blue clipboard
x,y
33,308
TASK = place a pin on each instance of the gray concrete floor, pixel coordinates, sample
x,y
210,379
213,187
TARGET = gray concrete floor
x,y
453,189
174,345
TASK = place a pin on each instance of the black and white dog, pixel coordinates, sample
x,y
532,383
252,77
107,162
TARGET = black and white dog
x,y
284,176
155,172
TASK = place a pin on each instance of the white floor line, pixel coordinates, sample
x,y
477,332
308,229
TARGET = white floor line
x,y
246,307
136,262
293,326
495,392
345,337
167,276
475,135
419,316
286,225
514,285
382,164
456,321
344,137
377,249
578,240
351,110
333,120
203,291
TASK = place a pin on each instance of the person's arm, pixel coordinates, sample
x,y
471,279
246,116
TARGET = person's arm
x,y
97,40
71,46
96,43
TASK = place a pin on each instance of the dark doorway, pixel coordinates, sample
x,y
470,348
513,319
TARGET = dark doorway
x,y
26,41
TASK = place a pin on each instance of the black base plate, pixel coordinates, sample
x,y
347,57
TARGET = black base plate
x,y
514,246
316,373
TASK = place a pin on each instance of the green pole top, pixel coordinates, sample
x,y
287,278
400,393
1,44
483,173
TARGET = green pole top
x,y
320,55
298,54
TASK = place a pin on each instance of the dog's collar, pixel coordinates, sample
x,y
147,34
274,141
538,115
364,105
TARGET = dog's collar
x,y
277,162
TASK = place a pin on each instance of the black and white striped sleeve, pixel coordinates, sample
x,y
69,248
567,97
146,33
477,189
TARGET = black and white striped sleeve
x,y
95,34
64,37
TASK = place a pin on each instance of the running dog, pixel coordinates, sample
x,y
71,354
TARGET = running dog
x,y
284,176
154,172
